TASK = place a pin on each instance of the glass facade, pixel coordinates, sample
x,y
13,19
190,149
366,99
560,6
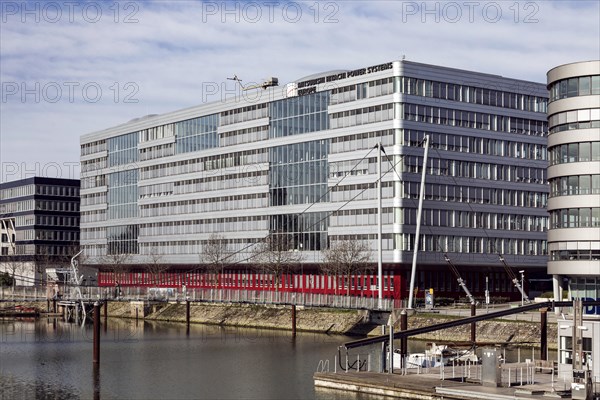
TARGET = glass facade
x,y
298,173
298,115
197,134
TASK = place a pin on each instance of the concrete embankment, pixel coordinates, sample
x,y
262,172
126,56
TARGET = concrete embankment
x,y
333,321
249,315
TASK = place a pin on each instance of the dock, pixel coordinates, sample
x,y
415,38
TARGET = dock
x,y
435,384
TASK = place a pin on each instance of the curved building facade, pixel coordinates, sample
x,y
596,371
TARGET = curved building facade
x,y
574,177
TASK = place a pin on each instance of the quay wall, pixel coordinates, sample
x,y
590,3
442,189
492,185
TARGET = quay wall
x,y
334,321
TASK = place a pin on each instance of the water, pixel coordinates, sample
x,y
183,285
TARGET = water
x,y
53,359
48,358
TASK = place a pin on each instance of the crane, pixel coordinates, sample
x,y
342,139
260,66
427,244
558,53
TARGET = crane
x,y
514,279
272,81
460,280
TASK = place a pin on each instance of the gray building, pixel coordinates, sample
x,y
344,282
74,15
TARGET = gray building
x,y
39,228
299,161
574,205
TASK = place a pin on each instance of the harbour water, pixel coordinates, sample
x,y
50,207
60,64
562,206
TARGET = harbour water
x,y
48,358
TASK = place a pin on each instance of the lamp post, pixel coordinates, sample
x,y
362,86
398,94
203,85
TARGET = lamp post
x,y
522,272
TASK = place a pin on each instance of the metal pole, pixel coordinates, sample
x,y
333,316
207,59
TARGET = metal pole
x,y
96,333
391,348
473,324
379,231
187,316
418,231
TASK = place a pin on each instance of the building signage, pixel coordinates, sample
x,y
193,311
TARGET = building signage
x,y
310,86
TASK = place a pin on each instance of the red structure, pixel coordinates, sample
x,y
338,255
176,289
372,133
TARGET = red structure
x,y
306,282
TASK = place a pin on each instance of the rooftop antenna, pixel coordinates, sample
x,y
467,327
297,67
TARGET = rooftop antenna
x,y
269,82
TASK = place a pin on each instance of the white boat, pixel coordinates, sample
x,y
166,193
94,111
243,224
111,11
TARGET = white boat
x,y
435,356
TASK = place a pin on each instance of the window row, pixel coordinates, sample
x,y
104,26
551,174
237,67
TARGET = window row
x,y
157,132
470,194
586,217
19,191
488,96
572,87
575,152
243,114
572,255
575,185
477,145
476,170
150,153
573,116
89,217
233,224
571,126
53,205
93,165
472,219
93,147
474,120
225,203
362,141
376,88
471,244
361,217
56,220
361,116
221,182
204,164
247,135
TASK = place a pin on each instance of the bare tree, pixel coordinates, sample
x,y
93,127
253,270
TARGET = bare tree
x,y
117,264
155,265
14,267
277,255
346,258
215,253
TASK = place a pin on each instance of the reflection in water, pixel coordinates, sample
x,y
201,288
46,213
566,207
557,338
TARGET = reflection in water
x,y
154,360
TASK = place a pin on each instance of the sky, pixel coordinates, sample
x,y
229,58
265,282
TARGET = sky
x,y
69,68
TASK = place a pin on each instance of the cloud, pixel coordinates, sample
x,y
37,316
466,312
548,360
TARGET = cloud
x,y
161,53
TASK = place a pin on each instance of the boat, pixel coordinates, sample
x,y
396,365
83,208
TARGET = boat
x,y
436,356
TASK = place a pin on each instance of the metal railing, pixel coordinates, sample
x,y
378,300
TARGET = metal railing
x,y
91,293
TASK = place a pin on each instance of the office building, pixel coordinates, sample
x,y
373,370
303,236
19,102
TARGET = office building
x,y
39,226
299,161
574,206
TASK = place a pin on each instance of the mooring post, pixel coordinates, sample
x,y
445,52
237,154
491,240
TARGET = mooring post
x,y
187,315
48,305
473,324
105,314
293,320
544,334
404,340
96,333
54,306
96,382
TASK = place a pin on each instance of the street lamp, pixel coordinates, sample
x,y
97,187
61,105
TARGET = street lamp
x,y
522,272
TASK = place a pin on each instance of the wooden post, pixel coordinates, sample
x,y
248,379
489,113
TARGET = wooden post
x,y
187,316
96,333
105,315
54,305
544,334
293,320
474,324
